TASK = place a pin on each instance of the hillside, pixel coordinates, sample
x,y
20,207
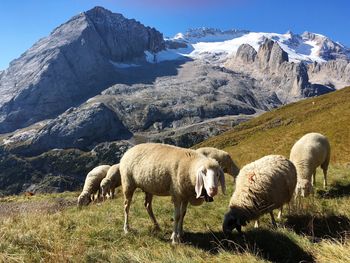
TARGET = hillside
x,y
94,233
276,131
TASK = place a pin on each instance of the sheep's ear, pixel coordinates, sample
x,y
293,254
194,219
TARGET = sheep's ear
x,y
199,182
222,181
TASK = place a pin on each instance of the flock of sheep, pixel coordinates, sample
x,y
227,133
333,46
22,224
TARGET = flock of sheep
x,y
193,176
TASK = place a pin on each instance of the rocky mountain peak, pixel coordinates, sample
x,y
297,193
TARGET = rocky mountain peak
x,y
277,56
264,52
246,53
72,64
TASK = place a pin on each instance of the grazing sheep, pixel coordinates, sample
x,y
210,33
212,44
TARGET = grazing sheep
x,y
110,182
261,187
223,158
165,170
92,184
309,152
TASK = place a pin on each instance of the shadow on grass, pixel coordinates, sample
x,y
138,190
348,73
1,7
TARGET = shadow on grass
x,y
336,190
269,245
334,227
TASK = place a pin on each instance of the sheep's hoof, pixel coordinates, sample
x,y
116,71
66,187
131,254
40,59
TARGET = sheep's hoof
x,y
126,230
175,239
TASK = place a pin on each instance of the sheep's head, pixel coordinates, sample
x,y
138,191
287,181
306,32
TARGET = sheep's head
x,y
233,220
207,180
84,199
303,188
105,186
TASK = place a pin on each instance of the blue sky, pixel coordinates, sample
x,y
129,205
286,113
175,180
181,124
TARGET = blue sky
x,y
23,22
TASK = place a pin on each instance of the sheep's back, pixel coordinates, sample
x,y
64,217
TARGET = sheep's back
x,y
311,150
94,178
265,184
113,174
155,167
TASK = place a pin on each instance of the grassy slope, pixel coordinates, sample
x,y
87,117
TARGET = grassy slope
x,y
277,131
94,233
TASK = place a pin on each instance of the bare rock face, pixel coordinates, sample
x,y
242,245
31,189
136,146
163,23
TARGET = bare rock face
x,y
277,57
264,53
333,73
80,128
288,81
71,65
246,53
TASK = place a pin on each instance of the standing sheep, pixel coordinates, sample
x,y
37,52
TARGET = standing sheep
x,y
164,170
261,187
309,152
110,182
223,158
92,184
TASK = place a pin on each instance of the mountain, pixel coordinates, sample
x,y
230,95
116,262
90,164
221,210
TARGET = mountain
x,y
72,64
100,83
307,47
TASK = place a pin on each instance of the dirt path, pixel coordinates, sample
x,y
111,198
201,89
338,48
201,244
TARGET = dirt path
x,y
40,206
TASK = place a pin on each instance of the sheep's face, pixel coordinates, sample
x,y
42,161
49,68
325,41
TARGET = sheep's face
x,y
231,221
209,178
304,188
105,185
84,199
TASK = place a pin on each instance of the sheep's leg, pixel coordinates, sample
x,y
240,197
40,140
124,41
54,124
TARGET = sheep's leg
x,y
256,224
175,237
112,193
182,215
324,167
98,196
313,178
324,177
273,221
148,206
279,217
127,202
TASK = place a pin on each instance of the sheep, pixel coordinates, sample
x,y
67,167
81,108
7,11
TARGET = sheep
x,y
309,152
165,170
261,186
223,158
110,182
92,184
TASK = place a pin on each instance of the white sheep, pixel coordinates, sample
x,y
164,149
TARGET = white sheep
x,y
92,184
223,158
261,187
309,152
159,169
110,182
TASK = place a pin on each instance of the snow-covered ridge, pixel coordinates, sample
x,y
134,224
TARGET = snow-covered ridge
x,y
217,45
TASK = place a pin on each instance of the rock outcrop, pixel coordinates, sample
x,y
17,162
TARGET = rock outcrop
x,y
246,53
289,81
333,73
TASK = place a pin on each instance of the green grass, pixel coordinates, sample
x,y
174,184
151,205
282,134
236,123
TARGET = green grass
x,y
275,132
50,228
94,233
